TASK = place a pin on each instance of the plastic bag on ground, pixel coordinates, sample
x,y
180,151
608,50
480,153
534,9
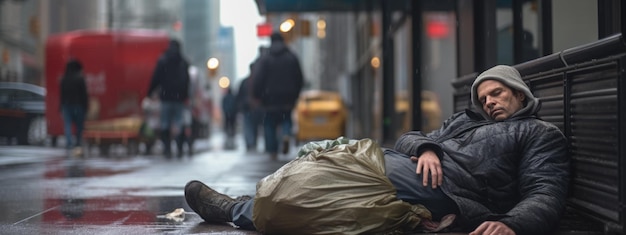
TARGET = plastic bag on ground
x,y
337,190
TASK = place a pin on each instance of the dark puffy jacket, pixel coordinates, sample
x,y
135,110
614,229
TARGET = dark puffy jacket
x,y
171,75
243,96
514,171
278,78
229,104
73,88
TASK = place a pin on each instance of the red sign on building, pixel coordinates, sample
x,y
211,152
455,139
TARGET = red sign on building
x,y
264,30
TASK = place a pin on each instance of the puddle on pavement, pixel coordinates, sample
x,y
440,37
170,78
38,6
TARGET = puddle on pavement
x,y
124,214
119,210
74,168
83,196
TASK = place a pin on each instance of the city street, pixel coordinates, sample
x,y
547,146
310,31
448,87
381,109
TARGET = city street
x,y
46,192
509,114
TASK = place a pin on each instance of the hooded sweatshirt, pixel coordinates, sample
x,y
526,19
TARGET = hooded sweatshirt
x,y
73,88
278,77
171,75
512,78
515,171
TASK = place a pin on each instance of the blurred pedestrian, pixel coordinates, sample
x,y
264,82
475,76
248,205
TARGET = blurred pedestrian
x,y
171,78
74,104
277,83
150,124
229,110
251,112
189,133
185,136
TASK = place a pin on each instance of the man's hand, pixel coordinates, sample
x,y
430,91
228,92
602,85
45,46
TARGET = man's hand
x,y
493,228
428,163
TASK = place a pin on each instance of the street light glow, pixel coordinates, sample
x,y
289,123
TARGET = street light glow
x,y
224,82
375,62
321,24
287,25
212,63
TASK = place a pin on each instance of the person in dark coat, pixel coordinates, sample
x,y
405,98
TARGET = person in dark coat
x,y
229,109
249,108
504,169
498,169
74,104
171,79
277,84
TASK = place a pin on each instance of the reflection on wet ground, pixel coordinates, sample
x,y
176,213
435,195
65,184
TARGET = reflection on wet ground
x,y
124,195
55,194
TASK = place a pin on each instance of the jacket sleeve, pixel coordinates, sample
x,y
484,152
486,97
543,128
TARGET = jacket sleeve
x,y
84,96
186,81
543,178
61,93
413,143
260,76
156,77
241,92
300,78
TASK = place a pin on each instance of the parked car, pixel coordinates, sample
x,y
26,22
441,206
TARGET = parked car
x,y
320,115
22,112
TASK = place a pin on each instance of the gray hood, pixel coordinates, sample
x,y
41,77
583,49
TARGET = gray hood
x,y
512,78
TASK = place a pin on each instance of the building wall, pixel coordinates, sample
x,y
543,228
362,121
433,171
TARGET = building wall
x,y
144,14
200,27
439,62
574,23
225,51
67,15
19,37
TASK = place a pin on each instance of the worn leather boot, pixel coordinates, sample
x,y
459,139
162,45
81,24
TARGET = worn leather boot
x,y
208,203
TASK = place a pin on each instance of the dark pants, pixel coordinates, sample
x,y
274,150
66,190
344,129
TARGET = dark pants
x,y
401,172
251,125
73,114
409,187
230,125
272,121
171,123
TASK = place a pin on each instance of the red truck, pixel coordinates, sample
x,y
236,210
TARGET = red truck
x,y
118,66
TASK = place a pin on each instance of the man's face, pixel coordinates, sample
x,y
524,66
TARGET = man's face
x,y
498,100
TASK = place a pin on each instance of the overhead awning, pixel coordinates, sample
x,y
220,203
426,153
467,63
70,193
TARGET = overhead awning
x,y
274,6
283,6
286,6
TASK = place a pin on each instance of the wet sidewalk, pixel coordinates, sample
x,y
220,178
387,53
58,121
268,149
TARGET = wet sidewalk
x,y
43,191
46,192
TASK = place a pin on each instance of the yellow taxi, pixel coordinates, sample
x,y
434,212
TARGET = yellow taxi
x,y
431,112
320,115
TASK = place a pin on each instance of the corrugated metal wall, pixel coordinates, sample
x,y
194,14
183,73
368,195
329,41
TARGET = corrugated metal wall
x,y
582,100
585,98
